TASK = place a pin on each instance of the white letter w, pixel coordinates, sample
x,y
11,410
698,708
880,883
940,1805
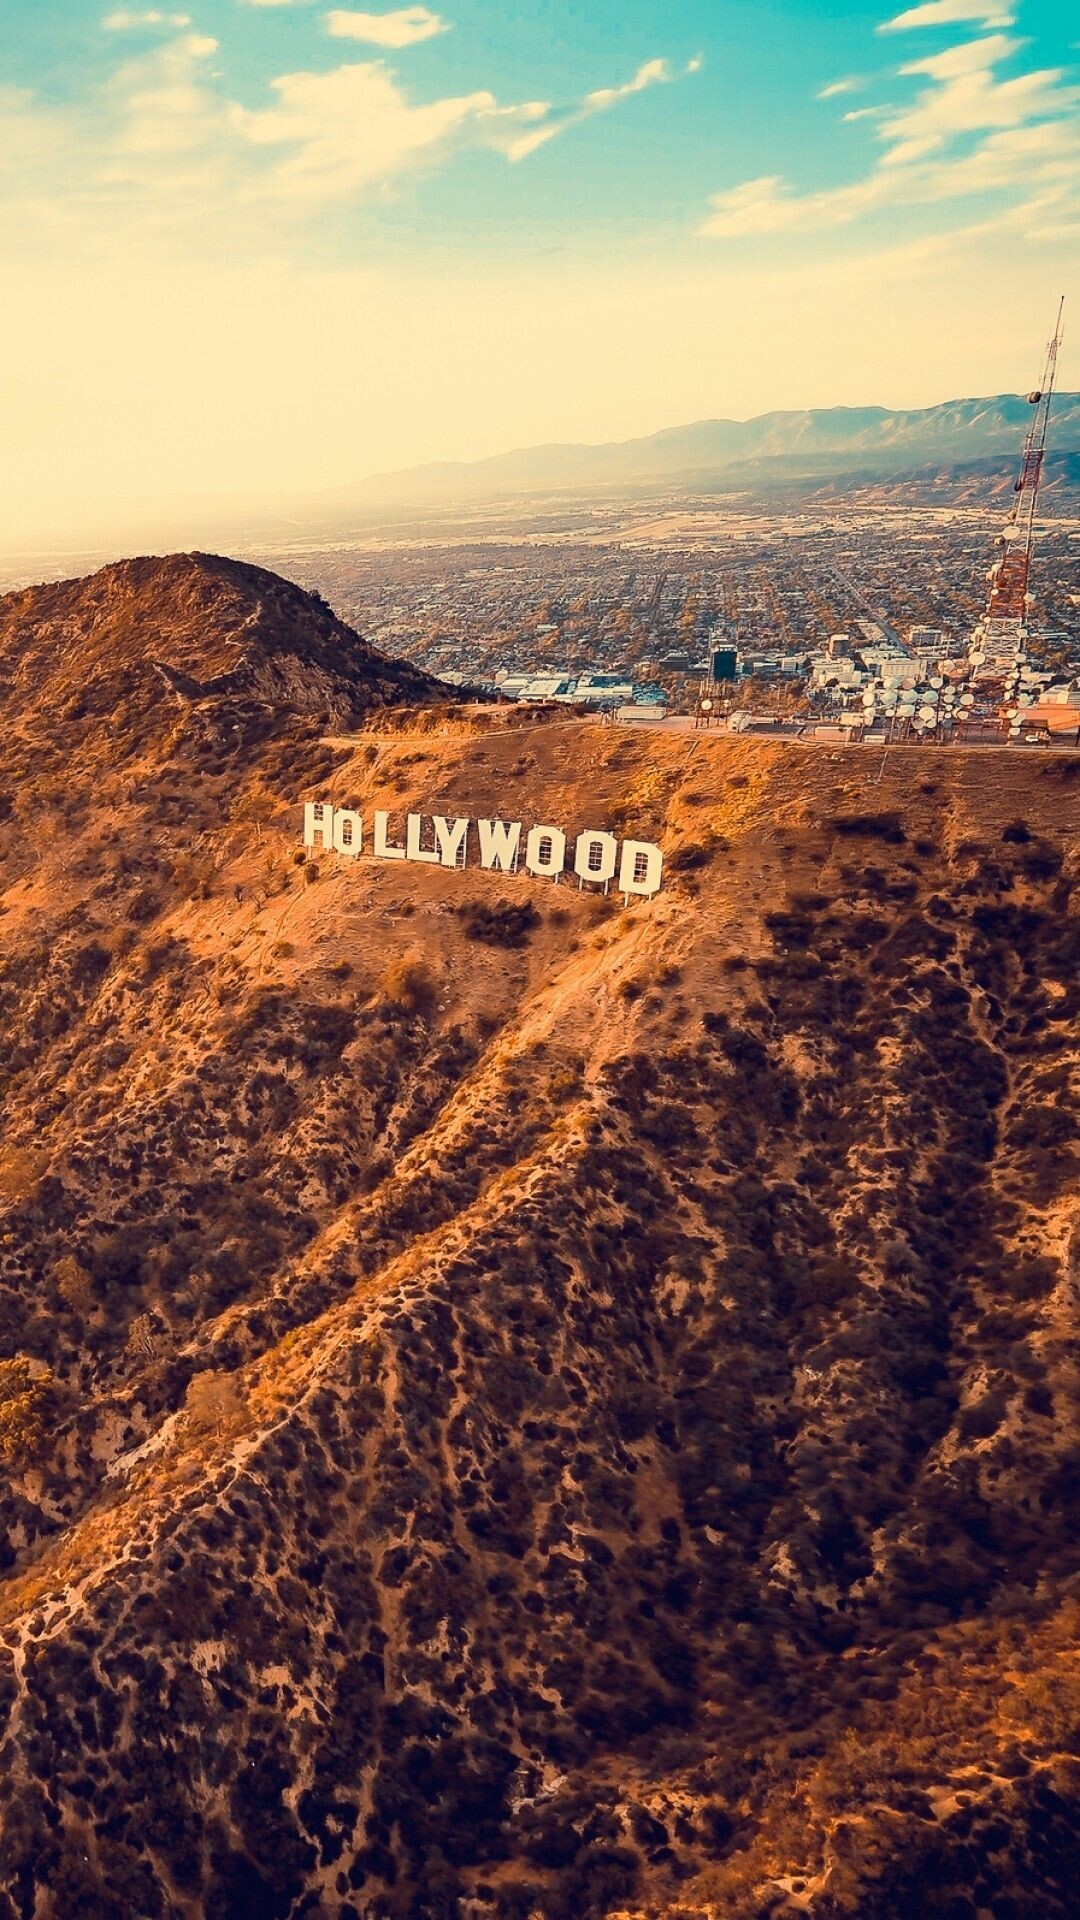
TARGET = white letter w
x,y
499,843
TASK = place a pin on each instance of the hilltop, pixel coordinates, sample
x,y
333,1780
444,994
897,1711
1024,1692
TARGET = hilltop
x,y
510,1406
130,659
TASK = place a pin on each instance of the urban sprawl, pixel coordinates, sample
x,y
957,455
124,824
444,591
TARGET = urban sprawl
x,y
863,624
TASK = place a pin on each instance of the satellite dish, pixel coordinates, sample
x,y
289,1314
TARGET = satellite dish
x,y
936,680
706,706
967,699
976,657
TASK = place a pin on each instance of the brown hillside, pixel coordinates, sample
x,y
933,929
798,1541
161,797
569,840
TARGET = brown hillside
x,y
191,647
510,1406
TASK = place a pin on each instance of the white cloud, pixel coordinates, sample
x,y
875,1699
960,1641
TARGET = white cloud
x,y
161,147
342,131
947,13
965,97
646,76
966,132
849,84
404,28
125,20
556,120
161,105
764,205
349,129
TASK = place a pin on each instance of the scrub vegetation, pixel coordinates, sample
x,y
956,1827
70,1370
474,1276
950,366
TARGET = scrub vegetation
x,y
523,1408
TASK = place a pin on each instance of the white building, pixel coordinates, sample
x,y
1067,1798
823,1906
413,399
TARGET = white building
x,y
927,641
836,673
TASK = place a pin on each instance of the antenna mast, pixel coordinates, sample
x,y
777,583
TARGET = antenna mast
x,y
1009,576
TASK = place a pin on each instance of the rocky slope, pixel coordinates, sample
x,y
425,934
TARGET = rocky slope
x,y
510,1406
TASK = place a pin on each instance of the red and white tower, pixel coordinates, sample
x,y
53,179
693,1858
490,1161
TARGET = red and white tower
x,y
998,640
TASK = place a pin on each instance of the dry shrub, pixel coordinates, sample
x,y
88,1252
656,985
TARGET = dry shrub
x,y
693,855
24,1402
213,1397
869,826
506,924
410,984
74,1285
20,1170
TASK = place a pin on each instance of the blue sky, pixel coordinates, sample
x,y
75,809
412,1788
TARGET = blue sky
x,y
277,242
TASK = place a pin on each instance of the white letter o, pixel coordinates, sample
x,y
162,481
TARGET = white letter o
x,y
545,852
594,856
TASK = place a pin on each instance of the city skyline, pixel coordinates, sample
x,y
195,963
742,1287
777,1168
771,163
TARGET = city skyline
x,y
259,245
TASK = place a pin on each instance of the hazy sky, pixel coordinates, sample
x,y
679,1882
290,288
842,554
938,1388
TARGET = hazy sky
x,y
269,245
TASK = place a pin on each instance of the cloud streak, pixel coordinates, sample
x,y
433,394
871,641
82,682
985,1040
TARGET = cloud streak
x,y
556,120
162,146
967,131
129,20
947,13
406,27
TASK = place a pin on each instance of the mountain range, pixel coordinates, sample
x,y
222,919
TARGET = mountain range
x,y
771,448
511,1406
963,452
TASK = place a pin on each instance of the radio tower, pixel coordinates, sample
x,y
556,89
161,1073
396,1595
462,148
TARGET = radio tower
x,y
998,640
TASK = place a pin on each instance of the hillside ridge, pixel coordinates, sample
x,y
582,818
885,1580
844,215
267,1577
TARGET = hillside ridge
x,y
511,1406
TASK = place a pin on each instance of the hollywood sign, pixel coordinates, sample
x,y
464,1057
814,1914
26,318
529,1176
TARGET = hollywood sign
x,y
595,859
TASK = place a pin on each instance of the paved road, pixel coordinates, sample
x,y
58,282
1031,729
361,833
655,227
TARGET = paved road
x,y
685,723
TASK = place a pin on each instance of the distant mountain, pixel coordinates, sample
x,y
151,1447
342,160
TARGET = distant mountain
x,y
954,483
877,439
